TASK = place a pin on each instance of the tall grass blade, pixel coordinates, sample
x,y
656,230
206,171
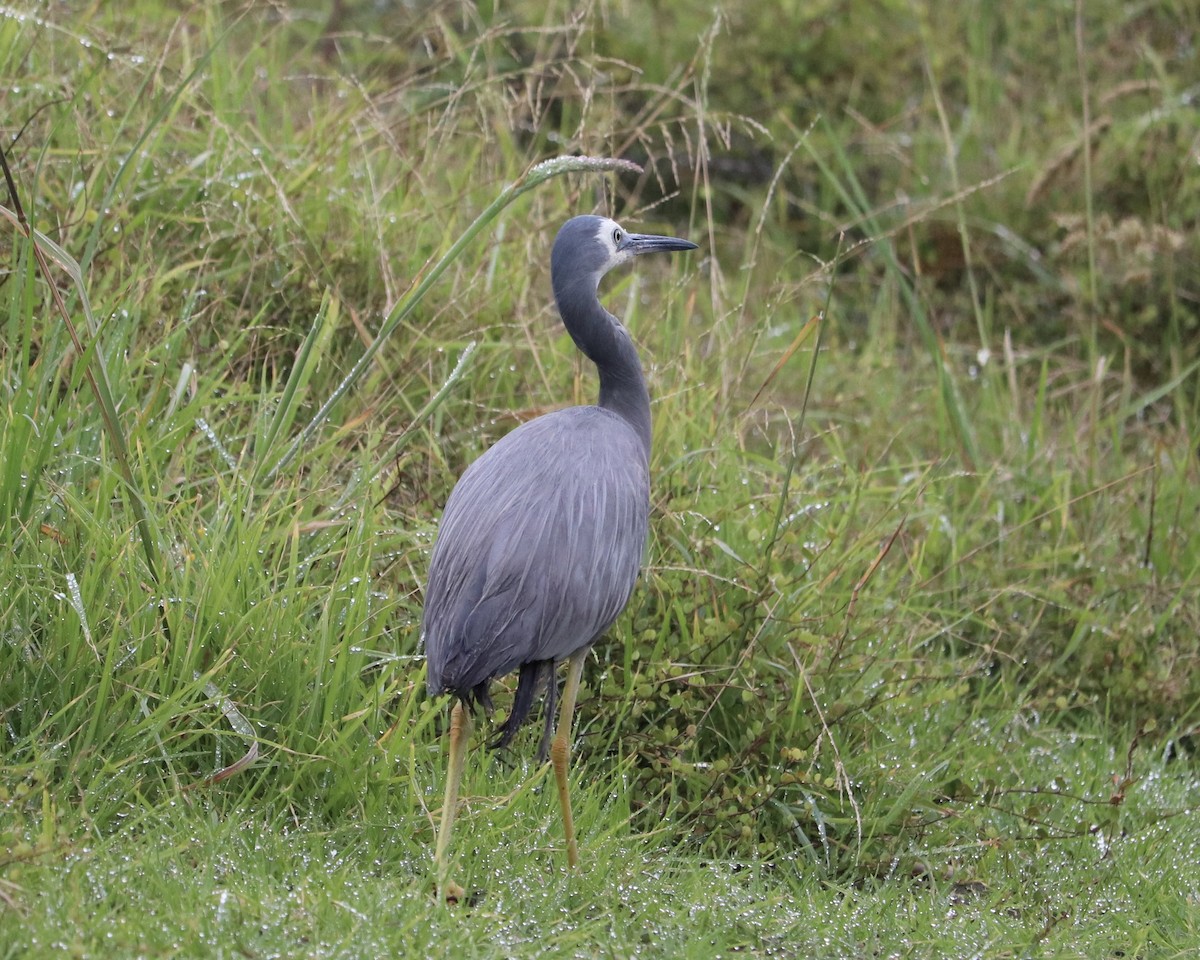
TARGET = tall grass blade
x,y
850,190
95,371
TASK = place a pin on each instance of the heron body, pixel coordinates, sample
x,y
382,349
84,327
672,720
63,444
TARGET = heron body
x,y
538,550
542,538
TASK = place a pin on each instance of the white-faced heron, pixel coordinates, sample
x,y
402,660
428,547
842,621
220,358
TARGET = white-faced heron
x,y
542,537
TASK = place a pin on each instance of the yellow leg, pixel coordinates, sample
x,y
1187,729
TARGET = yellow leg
x,y
560,752
460,736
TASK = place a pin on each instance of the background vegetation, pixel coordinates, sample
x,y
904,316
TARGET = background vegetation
x,y
913,667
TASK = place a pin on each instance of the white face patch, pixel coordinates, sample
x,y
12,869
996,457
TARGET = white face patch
x,y
611,235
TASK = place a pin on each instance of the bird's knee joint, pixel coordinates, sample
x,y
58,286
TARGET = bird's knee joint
x,y
559,751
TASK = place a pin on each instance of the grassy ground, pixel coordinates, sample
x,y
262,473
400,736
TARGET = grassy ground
x,y
913,667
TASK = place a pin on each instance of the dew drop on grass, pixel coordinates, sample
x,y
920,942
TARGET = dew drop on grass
x,y
217,445
76,599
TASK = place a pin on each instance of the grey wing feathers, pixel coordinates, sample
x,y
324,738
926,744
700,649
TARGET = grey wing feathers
x,y
539,547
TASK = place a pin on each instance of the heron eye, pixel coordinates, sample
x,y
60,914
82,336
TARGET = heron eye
x,y
617,237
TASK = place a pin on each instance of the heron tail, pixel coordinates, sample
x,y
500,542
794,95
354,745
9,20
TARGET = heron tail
x,y
529,684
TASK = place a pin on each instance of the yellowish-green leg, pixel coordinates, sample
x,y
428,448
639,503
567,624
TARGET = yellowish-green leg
x,y
560,751
460,736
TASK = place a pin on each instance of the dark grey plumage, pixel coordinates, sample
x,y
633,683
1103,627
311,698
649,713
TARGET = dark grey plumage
x,y
538,553
542,538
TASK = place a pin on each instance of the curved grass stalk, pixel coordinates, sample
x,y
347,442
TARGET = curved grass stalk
x,y
535,176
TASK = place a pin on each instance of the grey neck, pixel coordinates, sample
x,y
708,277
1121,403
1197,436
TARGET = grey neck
x,y
602,339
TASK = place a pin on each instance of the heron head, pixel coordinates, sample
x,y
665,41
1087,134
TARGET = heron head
x,y
589,246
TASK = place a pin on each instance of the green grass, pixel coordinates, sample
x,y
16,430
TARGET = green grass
x,y
913,669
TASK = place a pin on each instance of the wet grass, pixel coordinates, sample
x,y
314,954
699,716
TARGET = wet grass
x,y
912,670
204,878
